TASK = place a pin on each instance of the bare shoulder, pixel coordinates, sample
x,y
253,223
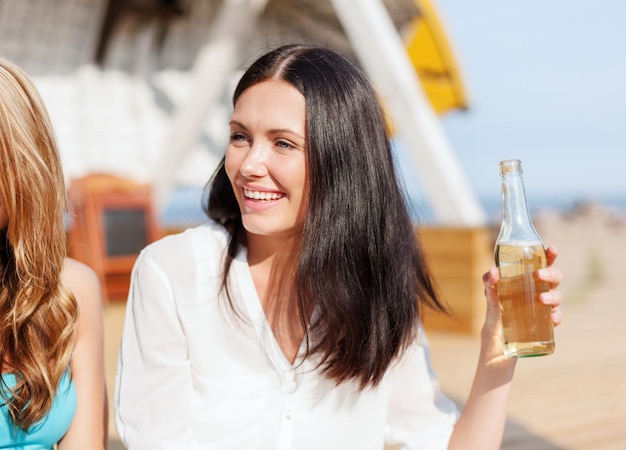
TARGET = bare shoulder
x,y
82,281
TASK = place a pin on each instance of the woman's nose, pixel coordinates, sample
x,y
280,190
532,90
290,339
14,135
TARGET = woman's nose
x,y
254,165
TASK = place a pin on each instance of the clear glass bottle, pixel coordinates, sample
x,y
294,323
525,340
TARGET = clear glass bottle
x,y
526,325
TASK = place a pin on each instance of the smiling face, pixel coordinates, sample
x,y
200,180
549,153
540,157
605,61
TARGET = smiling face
x,y
265,158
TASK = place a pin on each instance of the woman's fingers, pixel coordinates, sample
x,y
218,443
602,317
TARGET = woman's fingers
x,y
490,282
553,298
551,254
550,275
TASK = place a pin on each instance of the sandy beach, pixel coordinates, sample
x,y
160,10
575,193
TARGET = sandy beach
x,y
574,399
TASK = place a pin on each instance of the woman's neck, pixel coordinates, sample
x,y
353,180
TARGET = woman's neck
x,y
272,262
267,249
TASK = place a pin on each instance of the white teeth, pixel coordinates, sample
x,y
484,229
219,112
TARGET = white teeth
x,y
258,195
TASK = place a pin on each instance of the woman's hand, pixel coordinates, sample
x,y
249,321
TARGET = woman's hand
x,y
553,297
491,329
553,277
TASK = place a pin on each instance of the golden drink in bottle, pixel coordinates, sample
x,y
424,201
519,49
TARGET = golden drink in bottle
x,y
526,325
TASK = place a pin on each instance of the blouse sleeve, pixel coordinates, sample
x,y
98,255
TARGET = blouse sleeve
x,y
420,416
153,399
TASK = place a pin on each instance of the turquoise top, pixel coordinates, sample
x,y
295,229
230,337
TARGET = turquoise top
x,y
48,431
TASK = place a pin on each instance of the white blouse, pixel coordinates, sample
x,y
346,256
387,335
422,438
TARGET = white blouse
x,y
193,375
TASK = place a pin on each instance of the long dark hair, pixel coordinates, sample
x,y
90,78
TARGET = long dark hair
x,y
359,263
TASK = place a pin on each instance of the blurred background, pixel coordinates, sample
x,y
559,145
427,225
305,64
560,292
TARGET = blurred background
x,y
537,82
139,95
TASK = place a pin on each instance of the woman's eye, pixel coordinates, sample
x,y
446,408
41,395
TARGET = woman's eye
x,y
284,145
237,137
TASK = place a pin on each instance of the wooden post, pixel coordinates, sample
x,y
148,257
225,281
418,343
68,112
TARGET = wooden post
x,y
458,257
381,51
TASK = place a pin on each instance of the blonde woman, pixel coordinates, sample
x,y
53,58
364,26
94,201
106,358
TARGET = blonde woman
x,y
52,385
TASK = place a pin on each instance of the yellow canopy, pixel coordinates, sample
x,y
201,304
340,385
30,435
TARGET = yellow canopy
x,y
433,59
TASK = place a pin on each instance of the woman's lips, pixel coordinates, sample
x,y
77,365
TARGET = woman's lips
x,y
262,195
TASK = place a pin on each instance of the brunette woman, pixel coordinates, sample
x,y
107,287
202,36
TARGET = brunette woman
x,y
292,319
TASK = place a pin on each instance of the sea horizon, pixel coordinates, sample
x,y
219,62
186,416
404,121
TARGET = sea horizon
x,y
561,204
185,209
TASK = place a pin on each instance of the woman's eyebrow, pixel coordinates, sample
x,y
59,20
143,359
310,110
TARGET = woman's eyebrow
x,y
237,123
285,130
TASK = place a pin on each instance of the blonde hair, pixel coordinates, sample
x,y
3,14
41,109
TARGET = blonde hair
x,y
37,313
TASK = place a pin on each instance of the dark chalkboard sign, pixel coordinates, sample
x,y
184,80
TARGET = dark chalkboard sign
x,y
125,231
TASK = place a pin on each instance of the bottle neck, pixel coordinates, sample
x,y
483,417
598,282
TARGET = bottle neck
x,y
516,221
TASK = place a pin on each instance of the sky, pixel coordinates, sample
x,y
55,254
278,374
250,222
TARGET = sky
x,y
546,82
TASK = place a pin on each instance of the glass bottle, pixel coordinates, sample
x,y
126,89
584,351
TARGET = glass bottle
x,y
527,329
